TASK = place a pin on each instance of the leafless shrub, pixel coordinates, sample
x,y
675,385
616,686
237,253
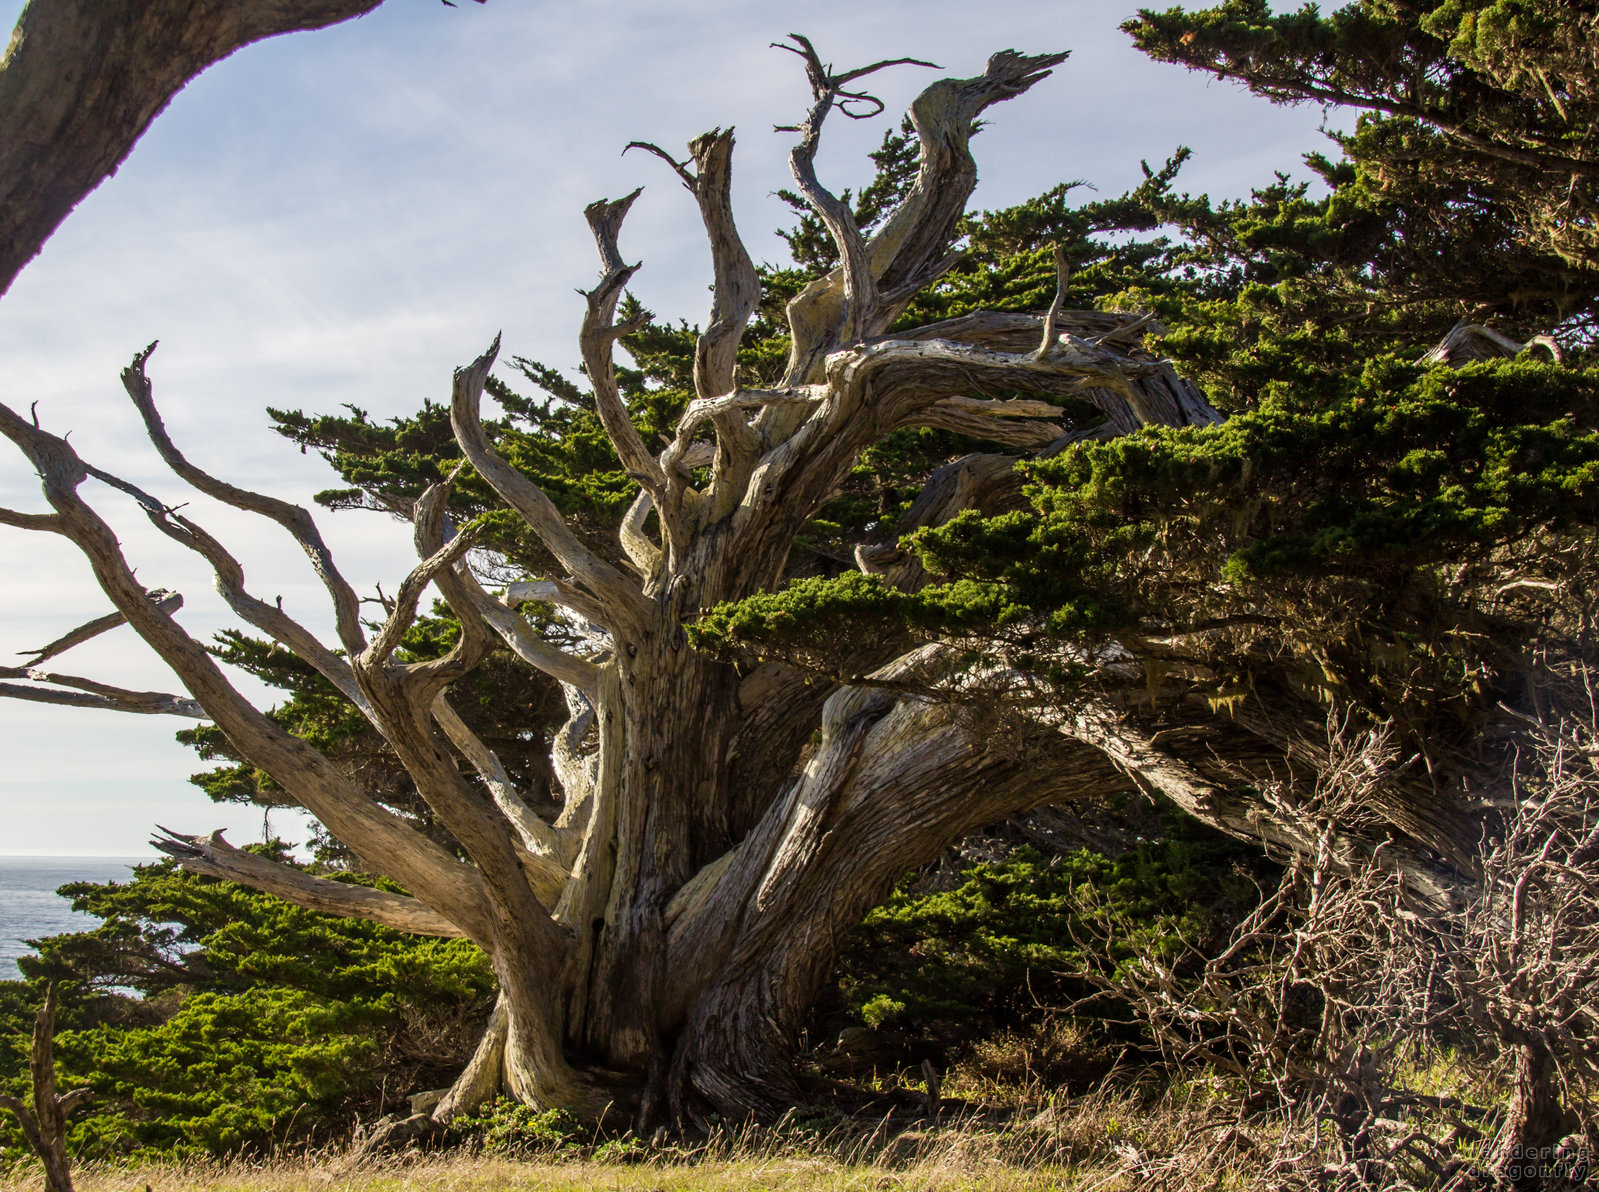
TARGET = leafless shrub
x,y
1399,1045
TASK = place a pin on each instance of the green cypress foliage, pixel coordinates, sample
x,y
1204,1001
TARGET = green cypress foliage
x,y
213,1019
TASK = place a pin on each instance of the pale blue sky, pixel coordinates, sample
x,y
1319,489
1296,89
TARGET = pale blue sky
x,y
345,216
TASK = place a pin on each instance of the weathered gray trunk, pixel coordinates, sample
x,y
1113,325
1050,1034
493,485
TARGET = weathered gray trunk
x,y
679,710
44,1122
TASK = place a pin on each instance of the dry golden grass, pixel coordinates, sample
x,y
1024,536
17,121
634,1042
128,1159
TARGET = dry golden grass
x,y
457,1173
1101,1143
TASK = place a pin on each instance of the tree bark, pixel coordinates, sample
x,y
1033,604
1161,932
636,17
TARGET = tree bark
x,y
82,80
893,782
1527,1150
44,1124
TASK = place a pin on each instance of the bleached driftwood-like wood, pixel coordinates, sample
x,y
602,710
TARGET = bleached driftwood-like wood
x,y
608,595
596,338
1014,423
44,1123
215,857
537,836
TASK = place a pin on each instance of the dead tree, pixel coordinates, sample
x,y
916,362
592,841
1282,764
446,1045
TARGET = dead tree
x,y
1338,986
659,942
44,1125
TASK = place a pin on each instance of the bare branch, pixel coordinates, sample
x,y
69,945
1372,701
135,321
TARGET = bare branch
x,y
737,287
678,167
537,836
294,519
45,1125
643,553
82,81
912,248
598,335
556,592
736,293
90,694
529,646
403,614
212,856
29,521
478,612
1055,307
881,384
616,597
822,78
732,408
165,601
859,300
306,774
1012,423
1468,343
269,618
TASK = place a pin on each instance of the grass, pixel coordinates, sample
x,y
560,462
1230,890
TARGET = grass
x,y
1003,1136
1099,1143
455,1173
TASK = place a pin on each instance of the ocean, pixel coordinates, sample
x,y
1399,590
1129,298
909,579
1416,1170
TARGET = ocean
x,y
30,908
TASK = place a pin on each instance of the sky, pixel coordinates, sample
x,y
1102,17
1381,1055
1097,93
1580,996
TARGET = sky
x,y
345,216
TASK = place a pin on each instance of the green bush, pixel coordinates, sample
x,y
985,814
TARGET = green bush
x,y
950,966
506,1127
212,1019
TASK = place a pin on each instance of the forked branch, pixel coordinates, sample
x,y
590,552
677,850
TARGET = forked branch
x,y
860,297
736,292
44,1124
229,573
307,775
294,519
599,335
614,598
912,249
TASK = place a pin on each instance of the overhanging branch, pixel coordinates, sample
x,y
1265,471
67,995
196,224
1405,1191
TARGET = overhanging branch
x,y
82,80
212,856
